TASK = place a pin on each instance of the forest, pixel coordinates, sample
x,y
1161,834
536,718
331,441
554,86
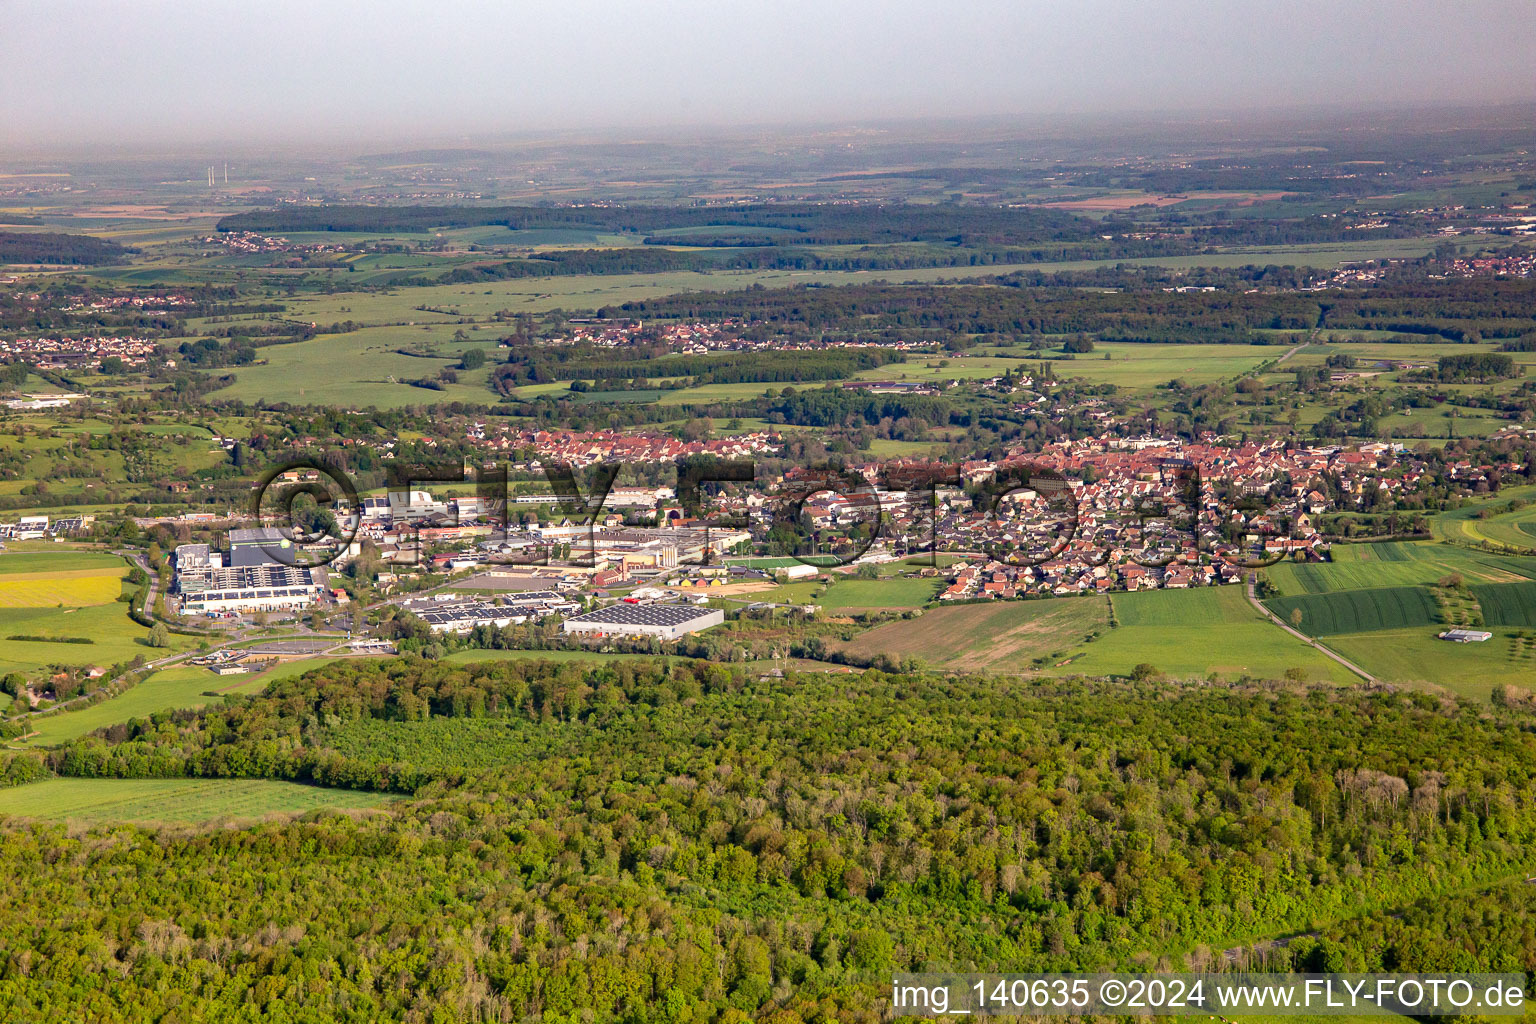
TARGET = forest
x,y
1143,309
59,248
531,364
654,841
809,223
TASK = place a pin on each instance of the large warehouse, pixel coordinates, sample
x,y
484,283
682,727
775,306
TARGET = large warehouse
x,y
666,621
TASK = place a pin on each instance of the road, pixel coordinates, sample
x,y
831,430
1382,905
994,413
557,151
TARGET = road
x,y
1253,599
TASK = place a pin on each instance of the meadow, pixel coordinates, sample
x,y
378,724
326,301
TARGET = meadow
x,y
1416,656
362,368
1198,633
848,594
1357,611
1492,521
173,801
1000,636
1141,366
182,686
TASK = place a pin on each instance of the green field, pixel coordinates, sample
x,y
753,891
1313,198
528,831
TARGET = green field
x,y
1396,564
183,686
1358,611
67,560
1507,604
847,594
363,368
1197,633
1140,366
171,801
1515,528
1000,636
118,638
1416,656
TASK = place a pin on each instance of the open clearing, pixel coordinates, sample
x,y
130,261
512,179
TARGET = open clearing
x,y
157,801
1002,636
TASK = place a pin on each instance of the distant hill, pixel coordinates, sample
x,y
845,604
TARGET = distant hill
x,y
48,247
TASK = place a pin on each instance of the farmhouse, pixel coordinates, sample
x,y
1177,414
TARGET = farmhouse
x,y
664,621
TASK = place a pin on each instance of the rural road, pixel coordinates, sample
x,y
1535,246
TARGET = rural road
x,y
1253,599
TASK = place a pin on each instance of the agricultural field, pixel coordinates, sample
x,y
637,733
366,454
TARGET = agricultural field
x,y
68,593
1002,636
65,579
363,368
1396,564
1507,604
173,801
1357,611
1416,656
539,295
51,559
182,686
848,594
75,588
1493,522
1140,367
1198,633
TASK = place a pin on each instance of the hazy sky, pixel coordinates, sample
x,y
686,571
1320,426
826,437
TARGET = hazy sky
x,y
147,73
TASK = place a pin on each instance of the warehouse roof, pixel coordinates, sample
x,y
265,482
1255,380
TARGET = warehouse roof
x,y
643,615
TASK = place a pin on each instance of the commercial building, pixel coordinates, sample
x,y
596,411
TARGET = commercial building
x,y
658,549
207,589
665,621
264,545
461,618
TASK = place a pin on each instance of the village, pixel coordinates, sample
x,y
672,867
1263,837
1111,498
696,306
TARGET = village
x,y
61,353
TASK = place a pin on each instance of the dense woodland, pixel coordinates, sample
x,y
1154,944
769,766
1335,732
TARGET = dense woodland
x,y
809,223
51,247
645,842
776,224
533,364
1460,311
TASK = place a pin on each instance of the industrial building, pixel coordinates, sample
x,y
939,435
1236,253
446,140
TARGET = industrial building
x,y
658,550
664,621
463,617
207,588
264,545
